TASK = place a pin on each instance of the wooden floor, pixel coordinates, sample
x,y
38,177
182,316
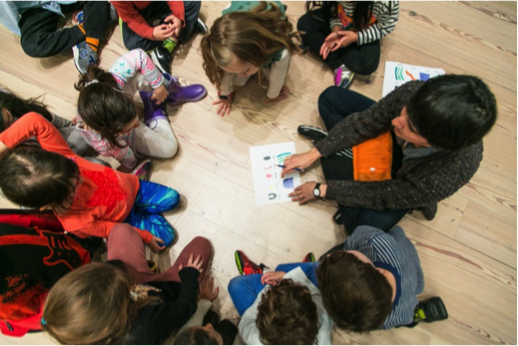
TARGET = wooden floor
x,y
468,252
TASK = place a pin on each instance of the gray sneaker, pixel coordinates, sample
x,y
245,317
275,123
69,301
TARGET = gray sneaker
x,y
84,56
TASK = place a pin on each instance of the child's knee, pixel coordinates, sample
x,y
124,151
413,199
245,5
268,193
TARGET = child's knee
x,y
170,148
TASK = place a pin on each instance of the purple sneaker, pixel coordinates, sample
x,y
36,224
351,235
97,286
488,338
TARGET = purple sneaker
x,y
180,94
152,111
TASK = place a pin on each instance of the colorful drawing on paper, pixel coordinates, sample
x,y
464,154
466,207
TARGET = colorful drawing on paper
x,y
282,157
269,186
288,183
397,74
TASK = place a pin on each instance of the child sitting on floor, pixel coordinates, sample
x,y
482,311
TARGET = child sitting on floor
x,y
88,199
107,116
372,281
251,37
122,301
282,307
13,107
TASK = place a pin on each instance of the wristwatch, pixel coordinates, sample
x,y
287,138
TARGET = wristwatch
x,y
316,191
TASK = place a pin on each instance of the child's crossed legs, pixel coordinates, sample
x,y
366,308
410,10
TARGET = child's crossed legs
x,y
153,199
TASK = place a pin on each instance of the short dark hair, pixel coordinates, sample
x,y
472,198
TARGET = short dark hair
x,y
453,112
194,336
354,293
287,315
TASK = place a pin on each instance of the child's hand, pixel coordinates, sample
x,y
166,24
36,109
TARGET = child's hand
x,y
272,278
154,244
160,94
162,32
285,93
175,24
207,290
194,263
224,105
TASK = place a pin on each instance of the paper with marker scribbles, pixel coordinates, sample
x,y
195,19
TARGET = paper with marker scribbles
x,y
397,74
270,188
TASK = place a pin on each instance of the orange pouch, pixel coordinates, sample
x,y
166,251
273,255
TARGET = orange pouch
x,y
372,159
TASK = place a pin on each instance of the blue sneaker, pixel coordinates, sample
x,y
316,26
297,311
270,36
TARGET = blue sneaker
x,y
84,56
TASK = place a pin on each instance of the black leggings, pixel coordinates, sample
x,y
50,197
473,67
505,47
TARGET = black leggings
x,y
158,10
41,37
334,104
362,59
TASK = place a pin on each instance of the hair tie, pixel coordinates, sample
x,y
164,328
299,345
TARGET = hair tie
x,y
91,82
43,321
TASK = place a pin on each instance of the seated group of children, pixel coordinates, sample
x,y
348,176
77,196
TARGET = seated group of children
x,y
424,140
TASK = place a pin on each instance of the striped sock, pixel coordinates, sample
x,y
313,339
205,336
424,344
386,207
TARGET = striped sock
x,y
80,26
93,43
169,45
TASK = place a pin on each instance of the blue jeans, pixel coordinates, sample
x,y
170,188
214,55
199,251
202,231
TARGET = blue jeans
x,y
244,291
335,104
153,199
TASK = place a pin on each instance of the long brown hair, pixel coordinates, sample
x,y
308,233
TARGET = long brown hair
x,y
251,36
91,305
103,106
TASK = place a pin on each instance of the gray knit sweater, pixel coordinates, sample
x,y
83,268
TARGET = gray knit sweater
x,y
420,183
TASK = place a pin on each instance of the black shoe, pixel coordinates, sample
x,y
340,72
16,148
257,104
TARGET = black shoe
x,y
430,310
162,59
212,318
312,133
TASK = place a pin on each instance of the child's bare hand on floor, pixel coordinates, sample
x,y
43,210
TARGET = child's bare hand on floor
x,y
207,290
160,94
284,94
272,278
154,244
194,263
224,106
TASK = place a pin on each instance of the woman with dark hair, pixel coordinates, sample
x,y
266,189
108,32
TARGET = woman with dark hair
x,y
412,149
347,34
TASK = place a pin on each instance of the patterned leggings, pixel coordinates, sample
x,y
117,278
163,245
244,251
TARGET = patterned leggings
x,y
153,199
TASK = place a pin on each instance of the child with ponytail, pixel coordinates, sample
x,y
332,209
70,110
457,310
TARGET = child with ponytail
x,y
251,37
107,116
88,199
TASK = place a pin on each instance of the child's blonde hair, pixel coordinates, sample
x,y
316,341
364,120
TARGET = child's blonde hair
x,y
251,36
91,305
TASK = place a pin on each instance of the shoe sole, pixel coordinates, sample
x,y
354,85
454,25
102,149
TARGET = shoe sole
x,y
238,259
345,86
75,51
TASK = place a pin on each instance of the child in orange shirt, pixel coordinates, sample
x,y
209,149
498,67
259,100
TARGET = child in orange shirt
x,y
88,199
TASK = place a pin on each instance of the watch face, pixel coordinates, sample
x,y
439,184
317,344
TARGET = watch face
x,y
223,97
316,192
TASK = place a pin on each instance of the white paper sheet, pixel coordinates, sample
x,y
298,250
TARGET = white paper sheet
x,y
269,186
397,74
